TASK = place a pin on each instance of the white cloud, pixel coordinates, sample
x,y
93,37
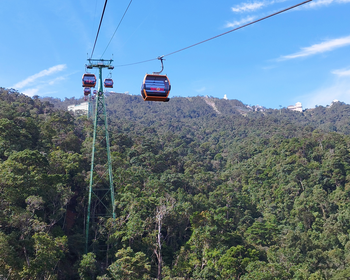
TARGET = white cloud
x,y
326,46
201,89
338,89
31,92
341,72
248,7
319,3
36,76
240,22
322,3
256,5
54,81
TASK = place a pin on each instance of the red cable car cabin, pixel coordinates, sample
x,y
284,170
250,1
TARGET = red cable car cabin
x,y
108,83
155,88
87,91
89,80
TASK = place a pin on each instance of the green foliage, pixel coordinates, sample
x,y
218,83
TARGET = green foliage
x,y
234,262
48,252
341,275
259,270
129,265
7,257
88,267
199,194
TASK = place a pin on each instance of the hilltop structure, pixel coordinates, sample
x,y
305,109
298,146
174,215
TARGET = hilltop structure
x,y
79,109
334,101
297,107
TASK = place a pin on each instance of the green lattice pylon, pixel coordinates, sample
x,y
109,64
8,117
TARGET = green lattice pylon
x,y
101,188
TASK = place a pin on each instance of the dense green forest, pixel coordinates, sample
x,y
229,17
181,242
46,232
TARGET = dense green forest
x,y
205,189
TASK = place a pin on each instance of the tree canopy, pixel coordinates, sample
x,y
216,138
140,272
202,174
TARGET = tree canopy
x,y
200,193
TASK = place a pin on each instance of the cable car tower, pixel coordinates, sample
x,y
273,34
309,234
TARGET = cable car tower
x,y
101,188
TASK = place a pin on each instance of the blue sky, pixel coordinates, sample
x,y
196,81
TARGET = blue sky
x,y
298,56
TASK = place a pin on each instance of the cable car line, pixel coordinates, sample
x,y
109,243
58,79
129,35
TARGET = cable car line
x,y
204,41
144,61
117,28
99,27
240,27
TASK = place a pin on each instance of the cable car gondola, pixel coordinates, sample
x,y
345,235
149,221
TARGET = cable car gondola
x,y
156,87
108,83
87,91
89,80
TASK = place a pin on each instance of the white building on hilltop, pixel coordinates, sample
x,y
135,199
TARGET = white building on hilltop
x,y
80,109
258,108
297,107
334,101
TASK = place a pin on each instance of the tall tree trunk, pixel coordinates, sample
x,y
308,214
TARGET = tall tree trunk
x,y
161,211
159,256
25,251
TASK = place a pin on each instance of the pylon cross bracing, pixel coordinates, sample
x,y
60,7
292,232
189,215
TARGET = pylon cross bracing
x,y
101,187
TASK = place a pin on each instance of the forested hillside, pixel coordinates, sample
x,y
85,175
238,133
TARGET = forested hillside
x,y
205,189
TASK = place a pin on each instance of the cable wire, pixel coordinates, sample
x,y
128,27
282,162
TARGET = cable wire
x,y
99,27
201,42
144,61
117,28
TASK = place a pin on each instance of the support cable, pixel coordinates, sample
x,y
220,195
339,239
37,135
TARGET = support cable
x,y
212,38
117,28
99,27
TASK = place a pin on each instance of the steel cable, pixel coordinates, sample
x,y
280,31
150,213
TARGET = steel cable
x,y
201,42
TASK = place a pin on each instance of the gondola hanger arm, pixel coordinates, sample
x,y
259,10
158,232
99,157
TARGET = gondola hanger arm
x,y
161,61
